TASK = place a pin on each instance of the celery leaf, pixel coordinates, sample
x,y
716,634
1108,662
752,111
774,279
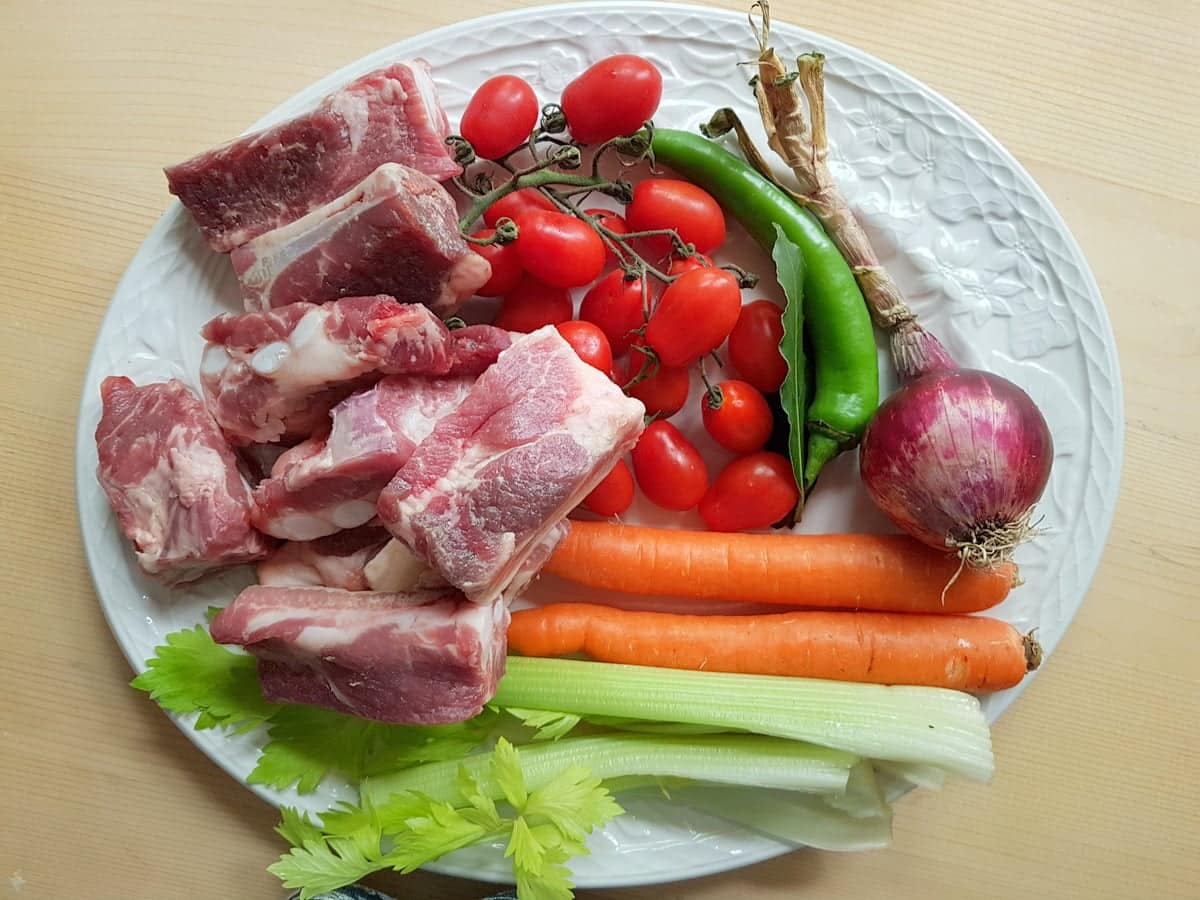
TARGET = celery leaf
x,y
549,725
547,828
191,673
317,866
307,743
296,827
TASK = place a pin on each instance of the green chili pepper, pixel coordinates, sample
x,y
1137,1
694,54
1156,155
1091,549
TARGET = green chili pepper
x,y
845,359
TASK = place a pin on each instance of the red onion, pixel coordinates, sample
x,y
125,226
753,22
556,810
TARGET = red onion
x,y
958,458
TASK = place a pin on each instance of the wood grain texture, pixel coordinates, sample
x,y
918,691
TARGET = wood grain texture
x,y
1096,796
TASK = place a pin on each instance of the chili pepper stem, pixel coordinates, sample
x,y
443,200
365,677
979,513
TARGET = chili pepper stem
x,y
820,449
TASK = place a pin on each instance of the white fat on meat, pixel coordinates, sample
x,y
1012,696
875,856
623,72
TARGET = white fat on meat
x,y
396,568
340,560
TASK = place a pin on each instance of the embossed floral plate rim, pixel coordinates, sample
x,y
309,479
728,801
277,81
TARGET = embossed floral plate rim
x,y
981,200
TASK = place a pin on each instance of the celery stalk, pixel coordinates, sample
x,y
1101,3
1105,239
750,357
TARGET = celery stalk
x,y
740,759
801,819
928,777
862,798
929,726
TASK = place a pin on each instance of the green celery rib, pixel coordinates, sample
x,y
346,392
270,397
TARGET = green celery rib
x,y
800,819
929,726
863,798
928,777
740,759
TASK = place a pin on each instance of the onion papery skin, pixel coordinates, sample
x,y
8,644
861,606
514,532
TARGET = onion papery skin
x,y
957,459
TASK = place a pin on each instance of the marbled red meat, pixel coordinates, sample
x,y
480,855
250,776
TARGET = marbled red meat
x,y
264,180
331,482
416,658
476,347
172,481
275,375
394,233
539,429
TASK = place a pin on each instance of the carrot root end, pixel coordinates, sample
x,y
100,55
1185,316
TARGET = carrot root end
x,y
1033,652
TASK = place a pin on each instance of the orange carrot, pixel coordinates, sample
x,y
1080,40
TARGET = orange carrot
x,y
892,573
968,653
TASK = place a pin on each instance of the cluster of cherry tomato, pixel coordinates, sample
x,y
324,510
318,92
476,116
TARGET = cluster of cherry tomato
x,y
647,325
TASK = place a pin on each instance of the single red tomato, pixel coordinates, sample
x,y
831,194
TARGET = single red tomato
x,y
753,491
532,304
754,345
669,469
663,393
611,98
559,249
615,223
671,203
694,315
614,494
589,344
501,113
737,417
679,266
505,263
615,305
510,206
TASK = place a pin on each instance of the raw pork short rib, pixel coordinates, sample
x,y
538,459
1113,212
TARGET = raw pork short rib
x,y
338,560
275,375
172,481
394,233
263,180
332,482
486,489
416,658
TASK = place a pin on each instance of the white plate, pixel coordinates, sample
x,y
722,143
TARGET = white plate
x,y
988,263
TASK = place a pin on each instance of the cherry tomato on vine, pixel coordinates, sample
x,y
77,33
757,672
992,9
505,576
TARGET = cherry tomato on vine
x,y
502,112
669,469
559,249
614,494
615,305
532,304
754,345
589,344
695,314
663,393
737,416
679,266
613,222
510,206
753,491
611,98
505,263
671,203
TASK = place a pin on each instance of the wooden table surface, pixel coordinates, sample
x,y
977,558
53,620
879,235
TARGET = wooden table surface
x,y
1096,794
